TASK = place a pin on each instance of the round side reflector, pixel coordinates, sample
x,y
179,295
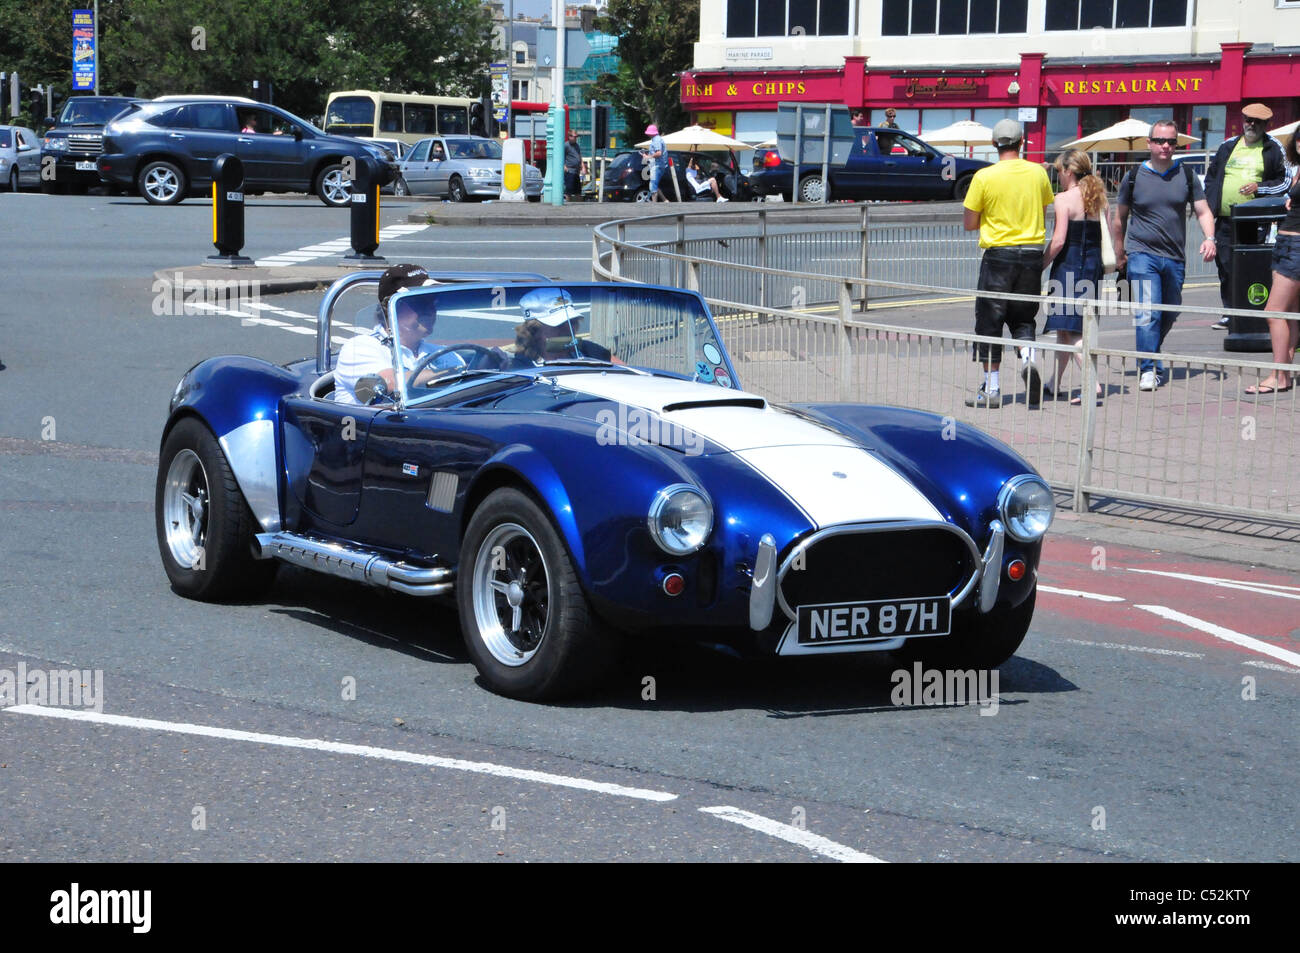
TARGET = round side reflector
x,y
674,584
1016,570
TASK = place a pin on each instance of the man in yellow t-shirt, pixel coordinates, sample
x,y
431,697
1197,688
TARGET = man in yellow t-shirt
x,y
1005,203
1246,167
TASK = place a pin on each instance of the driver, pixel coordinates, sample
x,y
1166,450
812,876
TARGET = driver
x,y
550,329
370,355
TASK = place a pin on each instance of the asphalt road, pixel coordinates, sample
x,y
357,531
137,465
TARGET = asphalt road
x,y
1150,714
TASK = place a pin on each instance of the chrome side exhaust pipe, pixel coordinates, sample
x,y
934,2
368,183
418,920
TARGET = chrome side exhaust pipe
x,y
355,564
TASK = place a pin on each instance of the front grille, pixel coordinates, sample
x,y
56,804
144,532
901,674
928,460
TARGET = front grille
x,y
85,144
859,565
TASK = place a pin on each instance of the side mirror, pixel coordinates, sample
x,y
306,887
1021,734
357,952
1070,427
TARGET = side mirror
x,y
297,133
372,390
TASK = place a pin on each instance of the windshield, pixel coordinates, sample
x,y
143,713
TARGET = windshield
x,y
474,148
90,112
4,138
348,114
527,326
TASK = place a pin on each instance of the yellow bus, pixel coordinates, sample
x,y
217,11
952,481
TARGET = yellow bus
x,y
405,116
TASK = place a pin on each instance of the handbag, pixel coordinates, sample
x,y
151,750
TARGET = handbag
x,y
1107,245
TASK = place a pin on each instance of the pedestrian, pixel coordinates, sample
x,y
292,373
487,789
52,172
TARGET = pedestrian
x,y
1149,230
1248,166
1005,203
858,117
1284,293
1074,256
572,164
890,115
657,156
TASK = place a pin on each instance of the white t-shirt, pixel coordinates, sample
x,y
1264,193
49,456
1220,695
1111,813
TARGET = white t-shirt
x,y
693,177
367,354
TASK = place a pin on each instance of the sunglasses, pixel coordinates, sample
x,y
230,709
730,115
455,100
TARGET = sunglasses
x,y
1161,141
1252,122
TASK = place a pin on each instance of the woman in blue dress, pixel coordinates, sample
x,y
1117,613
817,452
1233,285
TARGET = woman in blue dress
x,y
1074,256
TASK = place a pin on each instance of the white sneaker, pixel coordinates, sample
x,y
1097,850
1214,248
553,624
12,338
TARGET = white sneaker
x,y
721,199
1148,381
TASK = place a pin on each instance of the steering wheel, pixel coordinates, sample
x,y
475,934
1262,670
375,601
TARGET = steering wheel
x,y
487,356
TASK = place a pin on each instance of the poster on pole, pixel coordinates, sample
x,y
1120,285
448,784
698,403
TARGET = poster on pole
x,y
500,95
83,49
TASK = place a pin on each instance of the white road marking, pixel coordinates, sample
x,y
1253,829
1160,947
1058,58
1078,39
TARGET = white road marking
x,y
1227,635
788,832
333,247
1136,648
1272,666
338,747
1263,588
1100,597
484,241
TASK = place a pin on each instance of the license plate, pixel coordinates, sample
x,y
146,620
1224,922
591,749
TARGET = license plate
x,y
85,167
839,622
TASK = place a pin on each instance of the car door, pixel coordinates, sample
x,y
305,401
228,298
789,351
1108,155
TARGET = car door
x,y
201,132
415,168
272,155
854,179
439,168
914,170
27,154
324,454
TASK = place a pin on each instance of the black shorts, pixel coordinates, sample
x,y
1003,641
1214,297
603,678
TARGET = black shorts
x,y
1018,270
1286,256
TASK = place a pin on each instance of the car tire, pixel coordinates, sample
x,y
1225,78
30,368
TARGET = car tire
x,y
456,190
642,195
204,527
13,180
548,644
400,188
961,188
811,189
978,640
161,183
332,186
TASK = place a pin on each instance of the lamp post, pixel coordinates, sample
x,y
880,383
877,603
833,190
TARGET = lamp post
x,y
555,115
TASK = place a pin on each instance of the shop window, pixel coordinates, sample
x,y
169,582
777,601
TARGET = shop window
x,y
1114,14
953,17
748,18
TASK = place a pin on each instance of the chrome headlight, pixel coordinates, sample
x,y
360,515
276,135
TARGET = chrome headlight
x,y
680,519
480,173
1027,507
55,144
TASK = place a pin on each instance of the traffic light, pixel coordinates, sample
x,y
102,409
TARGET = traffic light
x,y
480,116
600,124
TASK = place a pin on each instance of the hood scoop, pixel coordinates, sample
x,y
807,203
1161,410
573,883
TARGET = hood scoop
x,y
758,403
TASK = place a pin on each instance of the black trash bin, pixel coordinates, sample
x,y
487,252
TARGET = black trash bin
x,y
1252,270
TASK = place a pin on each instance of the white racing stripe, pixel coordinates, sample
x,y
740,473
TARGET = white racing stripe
x,y
1262,588
1227,635
795,835
830,477
337,747
1078,594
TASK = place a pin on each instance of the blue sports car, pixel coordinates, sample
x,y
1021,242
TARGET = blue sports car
x,y
575,464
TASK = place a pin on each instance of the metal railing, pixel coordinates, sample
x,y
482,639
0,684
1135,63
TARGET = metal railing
x,y
802,335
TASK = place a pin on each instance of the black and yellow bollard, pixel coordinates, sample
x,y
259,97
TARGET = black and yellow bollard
x,y
228,211
365,212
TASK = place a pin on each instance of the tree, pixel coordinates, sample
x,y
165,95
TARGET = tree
x,y
655,42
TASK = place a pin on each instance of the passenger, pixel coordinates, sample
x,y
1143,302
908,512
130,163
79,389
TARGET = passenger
x,y
549,316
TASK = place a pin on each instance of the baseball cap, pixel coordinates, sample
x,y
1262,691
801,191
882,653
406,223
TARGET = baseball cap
x,y
551,306
1257,111
1007,132
652,130
401,276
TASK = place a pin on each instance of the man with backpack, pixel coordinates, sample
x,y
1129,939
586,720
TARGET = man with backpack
x,y
1149,232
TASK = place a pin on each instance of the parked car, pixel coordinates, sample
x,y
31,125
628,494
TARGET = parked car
x,y
881,163
459,168
628,177
76,138
20,158
613,479
165,148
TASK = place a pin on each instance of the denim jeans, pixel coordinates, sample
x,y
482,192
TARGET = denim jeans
x,y
1154,280
656,173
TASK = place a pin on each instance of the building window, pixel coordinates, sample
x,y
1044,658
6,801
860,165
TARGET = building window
x,y
748,18
1115,14
520,89
953,17
521,57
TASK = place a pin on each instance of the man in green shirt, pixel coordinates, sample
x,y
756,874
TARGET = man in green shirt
x,y
1246,167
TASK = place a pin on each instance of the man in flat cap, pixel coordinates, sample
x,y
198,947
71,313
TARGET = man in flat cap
x,y
1246,167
